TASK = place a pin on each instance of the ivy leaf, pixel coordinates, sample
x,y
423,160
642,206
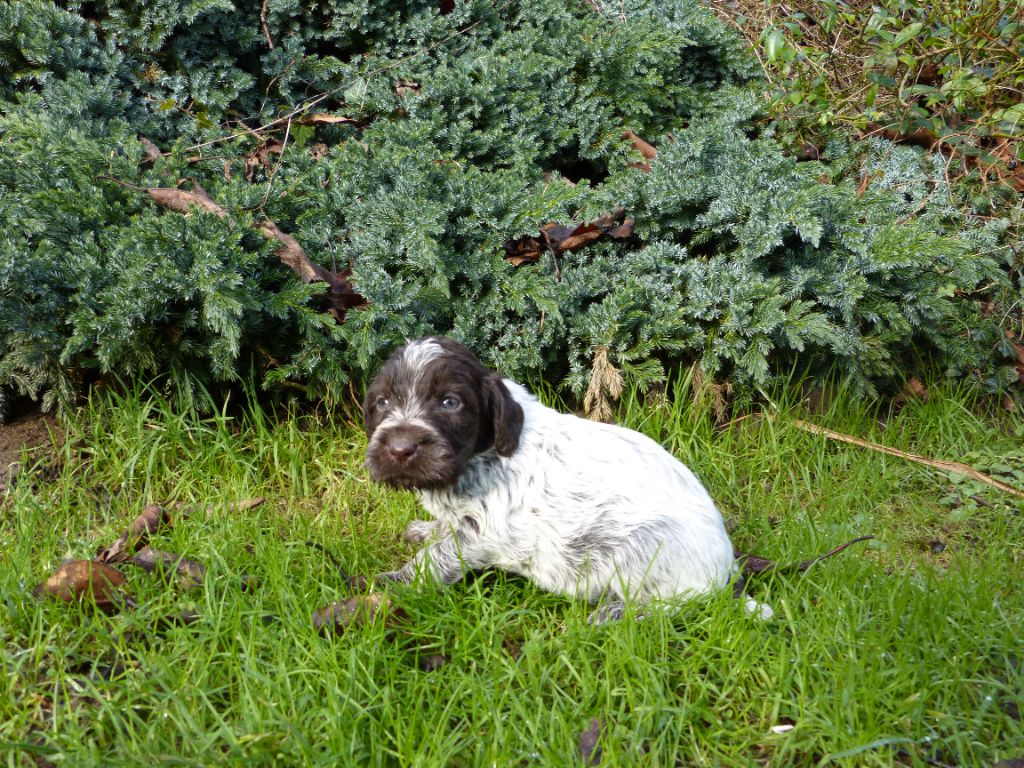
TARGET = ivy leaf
x,y
907,33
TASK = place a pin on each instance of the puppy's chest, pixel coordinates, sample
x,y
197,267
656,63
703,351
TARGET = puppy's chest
x,y
509,530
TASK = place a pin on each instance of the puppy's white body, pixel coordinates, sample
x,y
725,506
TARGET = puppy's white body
x,y
581,508
584,508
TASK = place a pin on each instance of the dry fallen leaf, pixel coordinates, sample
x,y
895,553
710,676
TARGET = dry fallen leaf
x,y
433,661
912,390
260,157
150,151
356,611
646,150
322,118
85,581
183,202
559,238
150,520
190,572
590,742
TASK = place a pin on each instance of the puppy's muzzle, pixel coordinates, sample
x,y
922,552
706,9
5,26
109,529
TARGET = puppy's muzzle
x,y
402,449
409,456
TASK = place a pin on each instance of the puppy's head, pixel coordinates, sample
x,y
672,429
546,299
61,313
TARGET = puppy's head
x,y
432,407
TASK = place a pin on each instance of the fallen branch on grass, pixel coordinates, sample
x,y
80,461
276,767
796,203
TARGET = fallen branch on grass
x,y
946,466
752,564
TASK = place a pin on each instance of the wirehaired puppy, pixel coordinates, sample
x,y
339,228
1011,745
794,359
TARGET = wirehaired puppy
x,y
589,510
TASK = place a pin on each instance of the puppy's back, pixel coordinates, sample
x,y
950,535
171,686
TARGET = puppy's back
x,y
643,516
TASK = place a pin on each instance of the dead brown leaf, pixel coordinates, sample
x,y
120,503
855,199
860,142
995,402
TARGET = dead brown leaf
x,y
183,202
151,152
322,118
148,521
912,390
260,157
341,294
190,573
85,581
355,612
646,150
292,254
590,742
558,238
1018,353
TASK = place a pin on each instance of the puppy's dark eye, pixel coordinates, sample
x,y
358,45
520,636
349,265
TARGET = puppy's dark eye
x,y
450,403
383,403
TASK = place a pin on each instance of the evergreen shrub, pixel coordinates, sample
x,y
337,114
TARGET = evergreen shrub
x,y
413,143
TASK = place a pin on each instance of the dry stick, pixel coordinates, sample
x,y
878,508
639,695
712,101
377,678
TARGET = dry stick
x,y
185,509
265,26
753,565
947,466
277,166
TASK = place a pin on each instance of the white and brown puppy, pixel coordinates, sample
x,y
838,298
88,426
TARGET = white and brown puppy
x,y
581,508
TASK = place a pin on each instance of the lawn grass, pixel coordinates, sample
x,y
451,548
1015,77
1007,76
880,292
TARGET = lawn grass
x,y
903,651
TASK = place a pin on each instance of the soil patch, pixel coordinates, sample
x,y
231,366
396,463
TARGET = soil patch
x,y
26,429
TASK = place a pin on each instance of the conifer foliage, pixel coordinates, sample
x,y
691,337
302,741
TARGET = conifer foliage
x,y
415,160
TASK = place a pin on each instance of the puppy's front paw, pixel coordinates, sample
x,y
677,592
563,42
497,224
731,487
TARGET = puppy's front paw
x,y
419,531
607,612
759,610
399,577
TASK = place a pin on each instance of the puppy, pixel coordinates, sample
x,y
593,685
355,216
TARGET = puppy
x,y
589,510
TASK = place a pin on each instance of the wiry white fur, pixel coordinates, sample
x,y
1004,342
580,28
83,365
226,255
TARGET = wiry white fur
x,y
418,353
581,508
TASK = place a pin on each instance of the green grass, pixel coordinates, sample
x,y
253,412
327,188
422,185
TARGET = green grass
x,y
891,653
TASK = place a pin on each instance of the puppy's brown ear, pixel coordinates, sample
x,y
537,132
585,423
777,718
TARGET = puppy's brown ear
x,y
506,413
371,418
366,416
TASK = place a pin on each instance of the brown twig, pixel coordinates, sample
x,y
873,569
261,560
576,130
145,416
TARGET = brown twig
x,y
265,26
753,564
941,464
184,509
277,165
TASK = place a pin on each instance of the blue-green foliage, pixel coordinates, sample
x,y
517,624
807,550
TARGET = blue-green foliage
x,y
471,129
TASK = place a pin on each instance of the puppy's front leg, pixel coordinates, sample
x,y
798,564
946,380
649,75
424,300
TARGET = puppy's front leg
x,y
445,560
419,531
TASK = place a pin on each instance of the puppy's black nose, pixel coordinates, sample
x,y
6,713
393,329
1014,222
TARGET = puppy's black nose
x,y
402,449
